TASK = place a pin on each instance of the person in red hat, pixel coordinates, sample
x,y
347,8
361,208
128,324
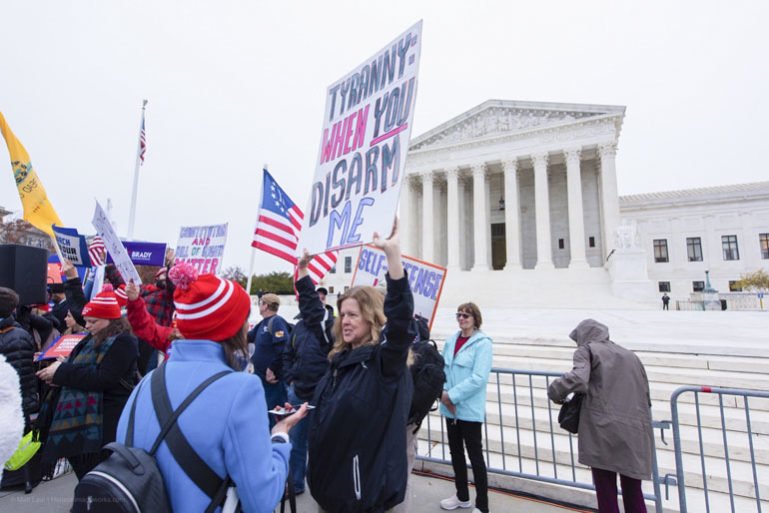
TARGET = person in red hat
x,y
81,413
226,425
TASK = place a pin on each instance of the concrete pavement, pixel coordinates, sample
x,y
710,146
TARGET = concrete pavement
x,y
56,497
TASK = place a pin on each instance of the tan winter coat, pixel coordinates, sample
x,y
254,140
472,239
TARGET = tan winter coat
x,y
615,430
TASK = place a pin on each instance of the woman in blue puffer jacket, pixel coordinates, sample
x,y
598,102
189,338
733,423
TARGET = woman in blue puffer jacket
x,y
468,356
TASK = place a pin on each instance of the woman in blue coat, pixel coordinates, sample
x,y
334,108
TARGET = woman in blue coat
x,y
226,425
468,356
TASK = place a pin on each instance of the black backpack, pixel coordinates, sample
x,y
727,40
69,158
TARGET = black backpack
x,y
129,481
427,373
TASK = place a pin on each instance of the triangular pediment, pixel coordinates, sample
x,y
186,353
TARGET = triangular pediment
x,y
500,117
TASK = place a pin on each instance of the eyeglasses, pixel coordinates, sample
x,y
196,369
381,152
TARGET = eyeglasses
x,y
463,315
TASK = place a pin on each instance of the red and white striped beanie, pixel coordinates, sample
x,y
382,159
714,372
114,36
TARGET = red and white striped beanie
x,y
103,306
122,297
207,307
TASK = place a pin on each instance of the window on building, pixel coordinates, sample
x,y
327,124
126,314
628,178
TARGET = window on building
x,y
763,239
591,242
664,286
698,286
729,247
694,249
348,264
560,243
734,286
331,289
660,250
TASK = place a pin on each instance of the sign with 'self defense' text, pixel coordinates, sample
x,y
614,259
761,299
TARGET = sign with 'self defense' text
x,y
364,140
425,279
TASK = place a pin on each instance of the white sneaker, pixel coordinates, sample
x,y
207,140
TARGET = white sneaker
x,y
454,503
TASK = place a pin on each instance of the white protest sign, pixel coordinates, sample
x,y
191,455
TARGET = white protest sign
x,y
114,247
202,247
365,137
425,279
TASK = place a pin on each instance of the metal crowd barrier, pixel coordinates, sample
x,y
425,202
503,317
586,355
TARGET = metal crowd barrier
x,y
531,417
719,458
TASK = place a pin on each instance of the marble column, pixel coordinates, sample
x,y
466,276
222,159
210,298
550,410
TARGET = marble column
x,y
512,211
480,218
452,210
542,212
428,235
609,197
576,213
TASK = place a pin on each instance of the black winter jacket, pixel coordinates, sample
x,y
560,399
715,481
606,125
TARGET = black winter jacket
x,y
305,358
357,438
76,301
18,347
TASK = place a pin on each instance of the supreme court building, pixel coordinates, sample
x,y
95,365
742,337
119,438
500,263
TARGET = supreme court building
x,y
519,201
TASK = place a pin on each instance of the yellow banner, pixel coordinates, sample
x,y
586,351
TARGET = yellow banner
x,y
38,211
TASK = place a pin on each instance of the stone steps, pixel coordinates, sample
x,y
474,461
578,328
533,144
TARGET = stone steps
x,y
667,372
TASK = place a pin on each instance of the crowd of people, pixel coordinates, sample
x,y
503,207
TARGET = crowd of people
x,y
324,402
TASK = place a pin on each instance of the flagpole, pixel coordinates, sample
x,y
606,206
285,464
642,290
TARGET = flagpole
x,y
253,251
132,212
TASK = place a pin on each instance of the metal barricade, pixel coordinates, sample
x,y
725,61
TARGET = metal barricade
x,y
524,439
724,475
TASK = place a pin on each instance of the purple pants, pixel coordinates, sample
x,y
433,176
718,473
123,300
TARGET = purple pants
x,y
605,482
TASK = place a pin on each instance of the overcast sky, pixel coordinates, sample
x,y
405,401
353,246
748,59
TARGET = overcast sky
x,y
235,84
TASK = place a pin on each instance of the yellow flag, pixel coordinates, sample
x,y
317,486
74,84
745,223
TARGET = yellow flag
x,y
38,211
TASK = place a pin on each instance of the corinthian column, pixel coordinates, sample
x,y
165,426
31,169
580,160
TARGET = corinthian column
x,y
428,237
542,212
480,218
609,197
576,213
512,224
452,227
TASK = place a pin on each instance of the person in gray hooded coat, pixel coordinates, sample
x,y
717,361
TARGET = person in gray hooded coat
x,y
615,425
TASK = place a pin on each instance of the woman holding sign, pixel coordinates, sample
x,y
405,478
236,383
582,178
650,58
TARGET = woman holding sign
x,y
91,387
357,436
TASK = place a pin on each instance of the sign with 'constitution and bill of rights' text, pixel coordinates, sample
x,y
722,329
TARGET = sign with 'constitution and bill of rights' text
x,y
202,247
425,279
365,137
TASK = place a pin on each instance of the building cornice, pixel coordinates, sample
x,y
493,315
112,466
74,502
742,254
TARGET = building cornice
x,y
758,191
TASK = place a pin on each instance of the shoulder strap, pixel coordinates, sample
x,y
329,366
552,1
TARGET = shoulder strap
x,y
129,437
269,324
185,455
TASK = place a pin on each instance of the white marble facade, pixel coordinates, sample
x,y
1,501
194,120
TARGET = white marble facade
x,y
519,201
514,185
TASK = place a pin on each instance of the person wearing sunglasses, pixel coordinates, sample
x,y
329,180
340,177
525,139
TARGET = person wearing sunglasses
x,y
467,355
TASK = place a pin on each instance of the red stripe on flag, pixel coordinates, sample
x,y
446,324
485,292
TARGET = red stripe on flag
x,y
273,251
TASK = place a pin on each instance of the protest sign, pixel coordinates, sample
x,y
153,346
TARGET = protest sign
x,y
364,140
425,279
62,346
114,246
202,246
72,245
144,253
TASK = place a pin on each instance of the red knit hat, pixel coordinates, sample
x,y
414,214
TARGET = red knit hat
x,y
122,297
103,306
207,307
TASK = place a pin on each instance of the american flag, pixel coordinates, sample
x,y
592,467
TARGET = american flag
x,y
142,141
278,227
97,251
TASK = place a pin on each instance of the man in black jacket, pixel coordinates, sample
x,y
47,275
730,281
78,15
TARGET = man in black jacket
x,y
305,360
18,347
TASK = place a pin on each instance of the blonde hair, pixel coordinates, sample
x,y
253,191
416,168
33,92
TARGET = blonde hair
x,y
371,303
